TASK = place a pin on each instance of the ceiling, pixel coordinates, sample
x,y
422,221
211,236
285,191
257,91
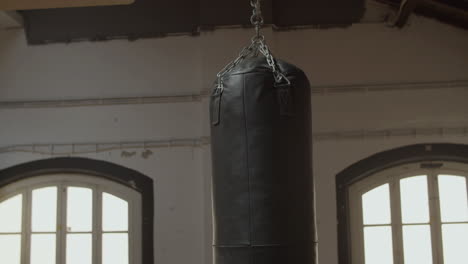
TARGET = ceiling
x,y
453,12
153,18
156,18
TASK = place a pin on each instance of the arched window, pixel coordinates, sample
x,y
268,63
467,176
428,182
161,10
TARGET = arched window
x,y
409,213
71,218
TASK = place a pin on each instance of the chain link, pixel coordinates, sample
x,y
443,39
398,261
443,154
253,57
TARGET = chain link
x,y
242,55
257,18
279,76
258,44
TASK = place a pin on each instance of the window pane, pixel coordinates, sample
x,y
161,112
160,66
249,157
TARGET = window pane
x,y
10,214
114,213
455,240
453,198
414,200
417,244
79,209
10,249
79,249
378,245
43,249
115,249
44,209
376,206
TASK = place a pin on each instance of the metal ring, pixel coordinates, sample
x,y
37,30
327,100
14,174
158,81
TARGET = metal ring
x,y
283,77
256,20
258,39
253,3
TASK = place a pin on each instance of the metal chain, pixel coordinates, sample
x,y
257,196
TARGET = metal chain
x,y
242,55
257,18
279,76
258,44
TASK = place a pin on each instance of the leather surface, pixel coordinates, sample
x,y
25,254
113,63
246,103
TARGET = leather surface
x,y
263,194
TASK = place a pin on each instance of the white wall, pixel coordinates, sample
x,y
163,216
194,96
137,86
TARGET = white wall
x,y
426,52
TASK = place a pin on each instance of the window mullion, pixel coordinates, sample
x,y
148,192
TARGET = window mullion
x,y
62,224
131,242
397,226
97,226
436,223
26,228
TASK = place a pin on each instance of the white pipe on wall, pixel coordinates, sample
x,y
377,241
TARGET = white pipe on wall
x,y
316,91
69,149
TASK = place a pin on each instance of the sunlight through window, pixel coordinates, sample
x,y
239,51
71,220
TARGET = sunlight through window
x,y
410,219
57,222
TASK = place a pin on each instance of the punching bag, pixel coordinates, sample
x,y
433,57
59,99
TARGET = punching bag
x,y
263,193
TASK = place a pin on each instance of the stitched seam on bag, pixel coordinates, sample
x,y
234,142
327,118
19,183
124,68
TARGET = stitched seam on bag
x,y
247,165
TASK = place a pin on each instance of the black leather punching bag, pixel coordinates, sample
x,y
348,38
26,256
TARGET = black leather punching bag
x,y
263,194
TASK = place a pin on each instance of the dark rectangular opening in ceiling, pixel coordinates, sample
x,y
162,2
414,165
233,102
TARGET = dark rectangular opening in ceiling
x,y
153,18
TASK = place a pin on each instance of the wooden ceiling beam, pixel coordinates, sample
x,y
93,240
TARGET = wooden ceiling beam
x,y
431,8
48,4
444,12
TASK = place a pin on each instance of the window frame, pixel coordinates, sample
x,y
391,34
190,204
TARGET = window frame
x,y
97,169
392,177
62,182
429,155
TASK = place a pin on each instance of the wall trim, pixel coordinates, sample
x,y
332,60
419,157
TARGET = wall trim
x,y
81,148
414,132
386,87
102,101
316,91
379,162
67,149
125,176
